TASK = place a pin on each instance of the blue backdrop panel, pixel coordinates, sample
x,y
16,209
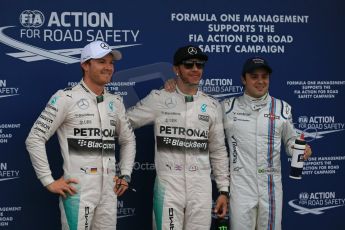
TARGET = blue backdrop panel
x,y
40,44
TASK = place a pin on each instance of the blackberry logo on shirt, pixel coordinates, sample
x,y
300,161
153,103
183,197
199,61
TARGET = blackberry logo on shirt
x,y
167,140
168,143
82,142
90,146
179,144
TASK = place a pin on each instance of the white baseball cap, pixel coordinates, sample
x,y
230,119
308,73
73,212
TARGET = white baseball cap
x,y
98,49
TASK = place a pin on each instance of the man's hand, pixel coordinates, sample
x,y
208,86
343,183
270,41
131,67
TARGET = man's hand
x,y
62,186
121,186
170,85
221,206
307,152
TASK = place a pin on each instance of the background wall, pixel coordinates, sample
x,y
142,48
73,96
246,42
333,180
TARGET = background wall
x,y
40,44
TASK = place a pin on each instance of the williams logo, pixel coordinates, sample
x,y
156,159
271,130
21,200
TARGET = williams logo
x,y
316,203
53,27
315,127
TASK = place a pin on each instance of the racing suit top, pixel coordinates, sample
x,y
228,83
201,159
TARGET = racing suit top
x,y
188,131
87,126
255,129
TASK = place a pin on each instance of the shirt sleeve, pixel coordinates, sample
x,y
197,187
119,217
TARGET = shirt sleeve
x,y
126,140
289,133
45,126
143,113
218,153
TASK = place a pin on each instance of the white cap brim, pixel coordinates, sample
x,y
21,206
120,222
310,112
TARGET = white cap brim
x,y
99,49
117,55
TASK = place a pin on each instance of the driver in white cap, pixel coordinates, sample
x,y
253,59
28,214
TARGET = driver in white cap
x,y
87,119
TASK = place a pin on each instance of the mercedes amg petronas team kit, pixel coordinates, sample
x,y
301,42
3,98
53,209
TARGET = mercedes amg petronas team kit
x,y
189,138
86,126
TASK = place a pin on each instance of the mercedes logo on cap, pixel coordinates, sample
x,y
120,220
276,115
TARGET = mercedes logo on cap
x,y
192,50
104,46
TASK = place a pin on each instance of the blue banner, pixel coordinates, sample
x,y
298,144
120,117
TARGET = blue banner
x,y
40,46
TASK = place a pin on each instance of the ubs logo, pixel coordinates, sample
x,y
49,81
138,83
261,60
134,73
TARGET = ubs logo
x,y
83,104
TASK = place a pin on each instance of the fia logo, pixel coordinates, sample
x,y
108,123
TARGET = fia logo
x,y
31,18
303,119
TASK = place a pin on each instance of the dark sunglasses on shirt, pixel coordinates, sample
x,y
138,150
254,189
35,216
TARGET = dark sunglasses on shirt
x,y
190,64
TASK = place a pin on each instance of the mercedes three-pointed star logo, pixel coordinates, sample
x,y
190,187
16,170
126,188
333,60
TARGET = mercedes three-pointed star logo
x,y
104,46
192,50
83,104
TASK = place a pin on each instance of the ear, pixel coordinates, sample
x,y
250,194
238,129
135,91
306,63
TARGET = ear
x,y
243,79
176,70
85,66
